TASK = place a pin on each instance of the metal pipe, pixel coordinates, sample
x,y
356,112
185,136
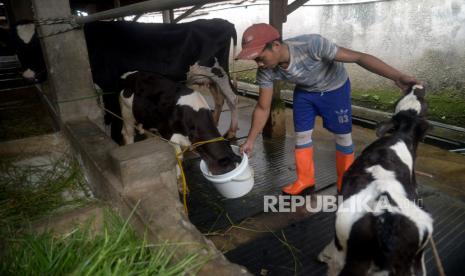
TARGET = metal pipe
x,y
142,7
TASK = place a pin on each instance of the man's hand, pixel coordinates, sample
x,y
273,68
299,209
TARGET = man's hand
x,y
405,82
247,147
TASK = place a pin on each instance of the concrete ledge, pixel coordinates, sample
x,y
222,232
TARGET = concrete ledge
x,y
37,145
143,175
137,164
63,223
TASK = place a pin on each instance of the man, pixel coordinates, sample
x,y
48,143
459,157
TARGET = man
x,y
315,65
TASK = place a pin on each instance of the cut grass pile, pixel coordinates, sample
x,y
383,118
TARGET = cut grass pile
x,y
116,251
31,190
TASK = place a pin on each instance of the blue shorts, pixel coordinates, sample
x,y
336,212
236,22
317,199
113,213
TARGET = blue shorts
x,y
334,107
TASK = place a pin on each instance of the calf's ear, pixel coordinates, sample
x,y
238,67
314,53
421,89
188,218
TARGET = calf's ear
x,y
419,91
421,129
383,127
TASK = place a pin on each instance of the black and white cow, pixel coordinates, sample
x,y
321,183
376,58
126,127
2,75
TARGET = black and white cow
x,y
178,113
21,39
379,228
200,47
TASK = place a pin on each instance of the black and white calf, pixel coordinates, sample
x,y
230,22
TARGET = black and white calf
x,y
178,113
379,228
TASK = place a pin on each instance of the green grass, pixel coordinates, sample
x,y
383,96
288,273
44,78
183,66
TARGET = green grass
x,y
29,192
116,251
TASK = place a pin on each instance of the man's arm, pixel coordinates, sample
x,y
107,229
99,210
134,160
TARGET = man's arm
x,y
375,65
259,118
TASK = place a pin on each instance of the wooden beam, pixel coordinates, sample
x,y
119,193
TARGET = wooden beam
x,y
278,13
295,5
142,7
19,10
187,13
168,16
276,124
137,17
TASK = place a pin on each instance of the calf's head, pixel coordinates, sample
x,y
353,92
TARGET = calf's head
x,y
199,125
409,116
180,114
218,155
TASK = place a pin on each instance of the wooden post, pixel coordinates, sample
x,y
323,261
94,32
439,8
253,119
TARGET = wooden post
x,y
67,61
19,10
276,124
168,16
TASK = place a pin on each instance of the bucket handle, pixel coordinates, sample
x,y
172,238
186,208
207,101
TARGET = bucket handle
x,y
245,177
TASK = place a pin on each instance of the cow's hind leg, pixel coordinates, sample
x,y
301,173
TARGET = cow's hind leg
x,y
129,121
231,100
333,258
219,102
219,77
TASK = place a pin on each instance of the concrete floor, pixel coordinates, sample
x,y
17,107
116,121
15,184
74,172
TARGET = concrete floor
x,y
435,167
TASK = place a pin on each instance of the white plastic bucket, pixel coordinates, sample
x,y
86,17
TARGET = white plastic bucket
x,y
235,183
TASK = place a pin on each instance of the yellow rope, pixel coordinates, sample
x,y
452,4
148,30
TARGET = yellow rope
x,y
437,258
183,177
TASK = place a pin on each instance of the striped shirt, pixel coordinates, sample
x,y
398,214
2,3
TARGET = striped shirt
x,y
311,67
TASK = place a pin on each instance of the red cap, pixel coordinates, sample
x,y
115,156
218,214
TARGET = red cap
x,y
255,38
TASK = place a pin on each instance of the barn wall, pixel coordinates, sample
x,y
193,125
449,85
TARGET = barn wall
x,y
424,38
420,37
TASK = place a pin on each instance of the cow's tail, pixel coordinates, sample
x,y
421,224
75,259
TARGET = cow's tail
x,y
233,64
112,114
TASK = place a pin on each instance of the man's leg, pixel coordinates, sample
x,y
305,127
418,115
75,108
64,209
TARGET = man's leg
x,y
336,110
304,119
344,156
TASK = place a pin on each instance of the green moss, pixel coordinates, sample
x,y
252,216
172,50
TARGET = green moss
x,y
376,98
247,76
278,104
446,106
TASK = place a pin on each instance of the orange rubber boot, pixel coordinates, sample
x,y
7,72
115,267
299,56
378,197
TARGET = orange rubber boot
x,y
305,172
343,162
